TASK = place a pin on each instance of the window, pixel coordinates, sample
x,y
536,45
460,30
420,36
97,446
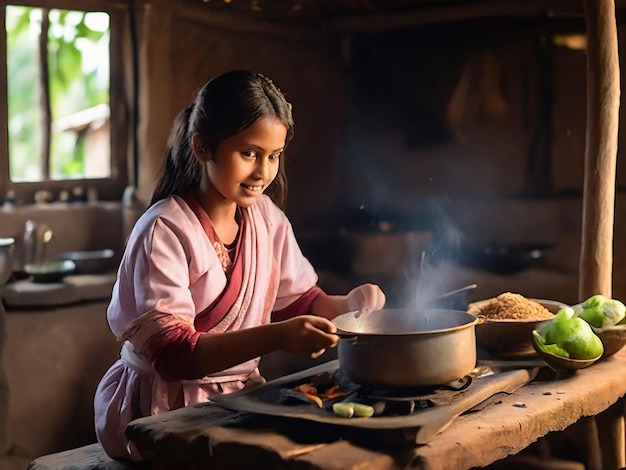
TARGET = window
x,y
66,101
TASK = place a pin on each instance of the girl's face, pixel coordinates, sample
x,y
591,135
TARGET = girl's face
x,y
245,164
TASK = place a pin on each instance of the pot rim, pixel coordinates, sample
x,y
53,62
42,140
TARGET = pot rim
x,y
7,241
473,320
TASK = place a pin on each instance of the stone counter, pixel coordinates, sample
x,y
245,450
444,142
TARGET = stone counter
x,y
54,359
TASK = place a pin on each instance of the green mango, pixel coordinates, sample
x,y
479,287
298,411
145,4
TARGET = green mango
x,y
582,343
549,348
553,330
572,334
601,312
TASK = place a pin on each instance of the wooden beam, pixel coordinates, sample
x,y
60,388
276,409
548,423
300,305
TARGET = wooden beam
x,y
241,24
380,22
83,5
603,95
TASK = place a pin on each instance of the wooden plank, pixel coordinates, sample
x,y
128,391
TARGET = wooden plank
x,y
390,21
89,457
423,425
245,25
476,440
208,433
344,456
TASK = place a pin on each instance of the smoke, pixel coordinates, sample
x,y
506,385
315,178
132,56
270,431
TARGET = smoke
x,y
423,276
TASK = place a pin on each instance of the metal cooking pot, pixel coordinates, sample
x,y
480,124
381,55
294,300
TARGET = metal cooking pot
x,y
407,347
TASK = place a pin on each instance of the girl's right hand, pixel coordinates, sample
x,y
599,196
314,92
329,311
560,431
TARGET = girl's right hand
x,y
308,335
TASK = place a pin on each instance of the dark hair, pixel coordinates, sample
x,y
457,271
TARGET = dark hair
x,y
224,106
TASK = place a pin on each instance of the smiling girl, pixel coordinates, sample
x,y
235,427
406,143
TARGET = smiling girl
x,y
212,277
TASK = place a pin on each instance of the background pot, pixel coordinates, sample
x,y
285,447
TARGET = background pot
x,y
7,251
407,347
90,262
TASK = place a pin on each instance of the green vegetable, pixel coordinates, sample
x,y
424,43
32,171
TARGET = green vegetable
x,y
601,312
350,409
549,348
569,336
345,410
551,332
362,410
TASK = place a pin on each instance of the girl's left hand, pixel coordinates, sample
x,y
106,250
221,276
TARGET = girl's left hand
x,y
365,297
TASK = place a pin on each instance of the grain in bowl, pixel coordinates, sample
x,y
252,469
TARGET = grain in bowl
x,y
511,306
509,320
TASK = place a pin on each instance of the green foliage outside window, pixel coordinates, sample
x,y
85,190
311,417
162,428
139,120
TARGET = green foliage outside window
x,y
78,68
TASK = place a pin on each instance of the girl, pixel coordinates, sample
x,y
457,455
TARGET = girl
x,y
212,277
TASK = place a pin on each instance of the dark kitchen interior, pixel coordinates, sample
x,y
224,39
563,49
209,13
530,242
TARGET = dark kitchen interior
x,y
439,144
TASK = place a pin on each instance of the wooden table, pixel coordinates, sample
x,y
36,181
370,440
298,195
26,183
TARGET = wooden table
x,y
195,436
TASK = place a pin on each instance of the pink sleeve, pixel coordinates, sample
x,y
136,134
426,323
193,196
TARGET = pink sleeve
x,y
302,306
297,276
166,341
173,353
153,276
154,284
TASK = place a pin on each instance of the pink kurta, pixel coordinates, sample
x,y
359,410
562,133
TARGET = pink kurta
x,y
171,286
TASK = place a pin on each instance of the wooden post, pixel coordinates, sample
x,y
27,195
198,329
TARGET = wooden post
x,y
4,389
603,94
596,256
155,91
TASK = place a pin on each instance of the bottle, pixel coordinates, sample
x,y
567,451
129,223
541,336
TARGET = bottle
x,y
9,200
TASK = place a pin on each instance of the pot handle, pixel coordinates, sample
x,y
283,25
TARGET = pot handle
x,y
350,337
480,319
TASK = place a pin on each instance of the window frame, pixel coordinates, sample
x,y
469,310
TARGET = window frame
x,y
120,102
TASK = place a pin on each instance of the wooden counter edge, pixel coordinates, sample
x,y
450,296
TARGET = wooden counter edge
x,y
473,440
523,417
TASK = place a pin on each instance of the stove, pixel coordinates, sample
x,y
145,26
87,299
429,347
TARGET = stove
x,y
410,415
386,401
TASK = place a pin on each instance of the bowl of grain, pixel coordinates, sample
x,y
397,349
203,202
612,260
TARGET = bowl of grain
x,y
509,320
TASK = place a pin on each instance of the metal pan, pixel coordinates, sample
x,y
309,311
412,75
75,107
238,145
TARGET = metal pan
x,y
407,347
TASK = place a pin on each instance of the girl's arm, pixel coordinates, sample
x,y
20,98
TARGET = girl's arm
x,y
363,297
305,335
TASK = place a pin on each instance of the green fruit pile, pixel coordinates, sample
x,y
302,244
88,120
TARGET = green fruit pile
x,y
570,336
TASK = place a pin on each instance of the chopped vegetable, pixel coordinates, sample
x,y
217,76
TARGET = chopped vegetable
x,y
364,411
315,396
334,392
317,401
350,409
345,410
306,388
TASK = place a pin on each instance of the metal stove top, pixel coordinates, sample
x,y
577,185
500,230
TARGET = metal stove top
x,y
428,412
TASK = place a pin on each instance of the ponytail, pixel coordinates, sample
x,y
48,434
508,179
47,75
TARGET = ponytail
x,y
180,170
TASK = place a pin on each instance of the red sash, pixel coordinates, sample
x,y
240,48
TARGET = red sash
x,y
214,313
